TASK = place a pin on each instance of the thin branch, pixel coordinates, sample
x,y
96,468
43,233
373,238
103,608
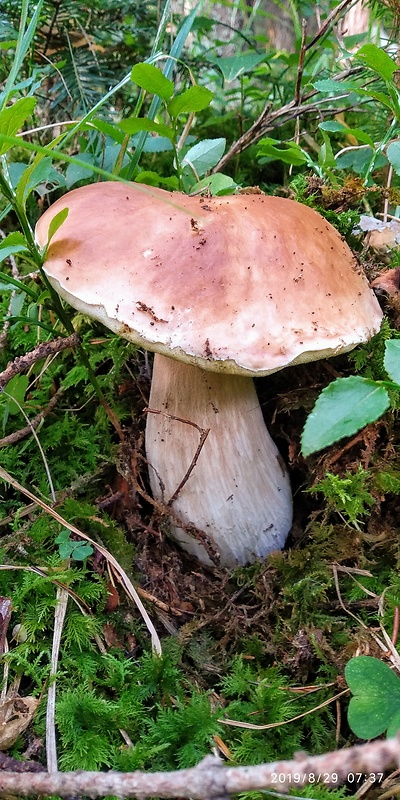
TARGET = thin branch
x,y
300,67
211,779
43,350
34,423
329,20
269,120
203,436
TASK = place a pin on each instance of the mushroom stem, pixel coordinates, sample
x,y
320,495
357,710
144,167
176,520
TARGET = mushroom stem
x,y
237,490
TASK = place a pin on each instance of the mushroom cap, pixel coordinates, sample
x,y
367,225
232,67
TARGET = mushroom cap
x,y
245,284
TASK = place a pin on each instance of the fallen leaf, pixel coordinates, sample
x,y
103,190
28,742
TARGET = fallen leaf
x,y
16,713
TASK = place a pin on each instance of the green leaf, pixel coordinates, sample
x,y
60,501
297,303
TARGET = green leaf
x,y
12,244
15,391
63,536
215,184
334,87
76,172
151,79
81,551
336,127
194,99
13,117
376,702
359,159
233,66
36,173
391,360
65,549
133,125
376,59
379,96
204,155
394,725
109,130
325,156
56,223
154,179
18,285
393,155
342,409
289,152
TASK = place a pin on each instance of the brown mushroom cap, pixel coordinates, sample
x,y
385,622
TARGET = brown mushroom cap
x,y
245,284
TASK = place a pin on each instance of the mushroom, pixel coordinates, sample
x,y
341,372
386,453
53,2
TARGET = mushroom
x,y
222,289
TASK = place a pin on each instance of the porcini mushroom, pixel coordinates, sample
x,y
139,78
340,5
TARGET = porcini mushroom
x,y
222,289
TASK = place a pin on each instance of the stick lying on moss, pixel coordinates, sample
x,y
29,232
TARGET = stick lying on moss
x,y
211,779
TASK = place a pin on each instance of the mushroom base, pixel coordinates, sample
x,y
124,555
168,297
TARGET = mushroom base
x,y
237,493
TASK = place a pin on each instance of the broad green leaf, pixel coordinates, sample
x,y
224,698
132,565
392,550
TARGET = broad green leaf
x,y
76,172
153,144
15,393
204,155
376,59
65,549
342,409
359,159
56,223
8,45
38,172
334,87
154,179
233,66
289,152
133,125
81,551
336,127
112,131
393,155
215,184
13,117
376,701
194,99
11,250
325,156
391,360
63,536
15,238
385,99
17,303
151,79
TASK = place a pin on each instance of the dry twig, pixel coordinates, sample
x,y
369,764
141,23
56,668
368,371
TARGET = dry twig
x,y
34,423
269,120
211,779
43,350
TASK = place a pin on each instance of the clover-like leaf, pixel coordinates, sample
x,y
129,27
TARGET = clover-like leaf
x,y
375,705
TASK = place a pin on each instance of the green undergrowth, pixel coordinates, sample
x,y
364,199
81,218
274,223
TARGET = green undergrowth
x,y
172,708
249,645
265,647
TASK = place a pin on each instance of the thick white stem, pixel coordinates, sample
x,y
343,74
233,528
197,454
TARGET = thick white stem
x,y
238,492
